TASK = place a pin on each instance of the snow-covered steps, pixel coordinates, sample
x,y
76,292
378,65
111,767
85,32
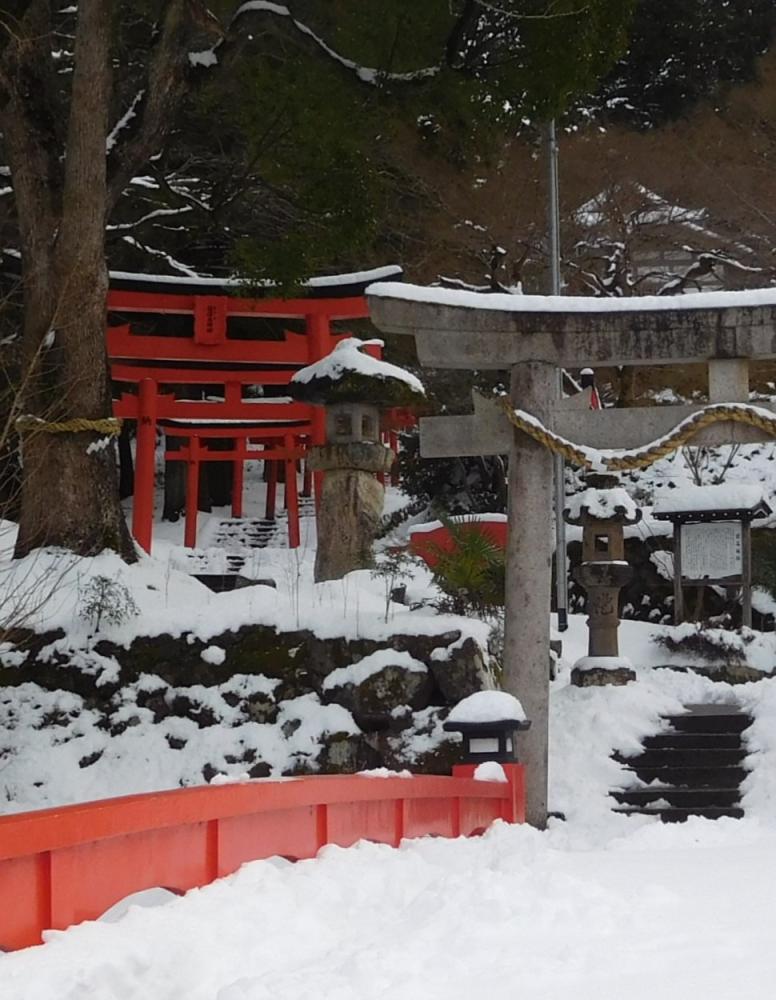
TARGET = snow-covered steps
x,y
236,533
247,533
694,768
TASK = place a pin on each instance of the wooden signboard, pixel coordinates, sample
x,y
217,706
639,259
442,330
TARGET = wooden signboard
x,y
713,551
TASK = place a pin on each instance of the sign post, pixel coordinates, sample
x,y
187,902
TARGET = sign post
x,y
713,540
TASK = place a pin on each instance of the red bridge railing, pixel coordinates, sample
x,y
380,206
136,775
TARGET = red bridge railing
x,y
61,866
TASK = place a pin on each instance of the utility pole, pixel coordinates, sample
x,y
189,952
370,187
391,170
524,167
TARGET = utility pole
x,y
553,227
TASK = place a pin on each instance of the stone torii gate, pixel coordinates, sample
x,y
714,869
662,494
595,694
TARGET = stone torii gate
x,y
533,336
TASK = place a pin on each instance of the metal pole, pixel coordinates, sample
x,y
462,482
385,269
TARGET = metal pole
x,y
553,220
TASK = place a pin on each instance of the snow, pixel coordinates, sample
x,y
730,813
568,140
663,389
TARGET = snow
x,y
362,670
383,772
603,504
172,602
213,654
324,281
348,357
131,112
598,906
488,706
572,303
725,496
603,663
690,908
205,57
490,770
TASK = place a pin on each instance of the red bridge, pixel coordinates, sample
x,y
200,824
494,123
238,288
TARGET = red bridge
x,y
61,866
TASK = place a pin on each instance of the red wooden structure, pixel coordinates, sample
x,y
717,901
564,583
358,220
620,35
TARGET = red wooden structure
x,y
427,541
61,866
147,367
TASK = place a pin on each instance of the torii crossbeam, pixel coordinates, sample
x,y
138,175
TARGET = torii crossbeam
x,y
532,336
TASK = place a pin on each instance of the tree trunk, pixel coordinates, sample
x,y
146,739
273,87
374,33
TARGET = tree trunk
x,y
70,487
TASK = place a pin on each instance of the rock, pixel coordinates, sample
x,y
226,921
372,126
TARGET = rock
x,y
373,701
395,754
289,727
322,656
259,709
156,702
600,677
346,754
728,673
209,772
186,708
461,673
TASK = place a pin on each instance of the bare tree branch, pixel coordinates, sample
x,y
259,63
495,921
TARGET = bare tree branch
x,y
169,78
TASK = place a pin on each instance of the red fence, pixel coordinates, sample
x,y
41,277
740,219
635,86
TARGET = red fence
x,y
61,866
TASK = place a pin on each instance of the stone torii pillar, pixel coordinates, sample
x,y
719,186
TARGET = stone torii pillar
x,y
533,336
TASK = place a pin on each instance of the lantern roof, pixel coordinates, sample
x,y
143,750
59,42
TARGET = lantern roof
x,y
349,375
607,504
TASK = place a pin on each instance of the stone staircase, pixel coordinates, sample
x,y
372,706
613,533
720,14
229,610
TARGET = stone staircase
x,y
693,768
235,533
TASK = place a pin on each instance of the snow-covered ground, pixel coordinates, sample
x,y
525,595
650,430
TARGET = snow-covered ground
x,y
598,906
637,912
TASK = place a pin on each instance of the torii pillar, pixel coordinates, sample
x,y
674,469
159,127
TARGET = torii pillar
x,y
533,336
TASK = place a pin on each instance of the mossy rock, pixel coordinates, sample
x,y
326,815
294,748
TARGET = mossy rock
x,y
373,701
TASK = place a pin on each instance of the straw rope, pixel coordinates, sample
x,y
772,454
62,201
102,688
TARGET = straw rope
x,y
107,426
640,458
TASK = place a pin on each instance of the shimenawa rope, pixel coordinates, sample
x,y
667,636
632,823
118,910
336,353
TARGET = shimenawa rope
x,y
108,426
640,458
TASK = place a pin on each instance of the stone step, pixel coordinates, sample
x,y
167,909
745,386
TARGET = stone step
x,y
692,777
684,757
685,798
717,722
678,814
693,741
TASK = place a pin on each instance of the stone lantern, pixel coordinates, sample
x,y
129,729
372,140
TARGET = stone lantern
x,y
353,387
602,510
488,721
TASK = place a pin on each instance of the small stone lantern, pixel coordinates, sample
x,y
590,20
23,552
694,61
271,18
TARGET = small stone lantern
x,y
488,721
602,509
353,387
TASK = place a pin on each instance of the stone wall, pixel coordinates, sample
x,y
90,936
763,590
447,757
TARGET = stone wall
x,y
168,677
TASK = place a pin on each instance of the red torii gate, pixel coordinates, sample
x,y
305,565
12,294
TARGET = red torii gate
x,y
211,356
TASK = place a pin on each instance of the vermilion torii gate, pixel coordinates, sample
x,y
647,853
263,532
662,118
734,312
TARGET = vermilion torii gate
x,y
533,336
215,337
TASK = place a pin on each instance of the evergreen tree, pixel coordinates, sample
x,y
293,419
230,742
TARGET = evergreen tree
x,y
91,98
681,52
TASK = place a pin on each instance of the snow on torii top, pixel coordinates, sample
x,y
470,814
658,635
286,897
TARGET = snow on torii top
x,y
348,375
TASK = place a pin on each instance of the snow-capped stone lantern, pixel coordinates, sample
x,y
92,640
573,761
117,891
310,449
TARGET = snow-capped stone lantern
x,y
354,387
488,721
602,509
